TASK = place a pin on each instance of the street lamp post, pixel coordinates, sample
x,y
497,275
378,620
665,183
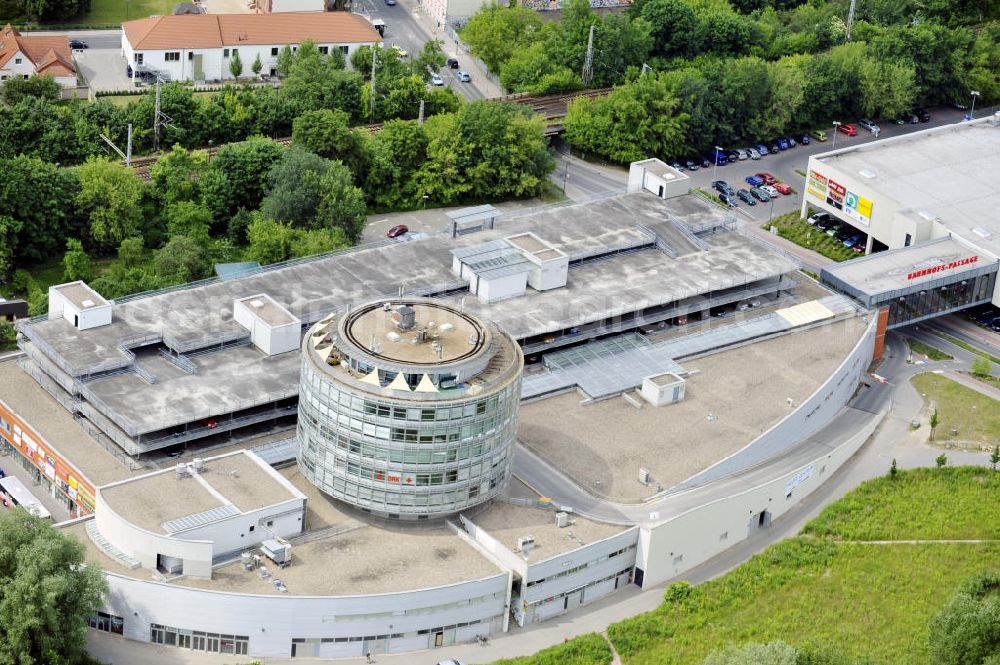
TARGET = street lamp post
x,y
716,165
770,214
972,111
836,124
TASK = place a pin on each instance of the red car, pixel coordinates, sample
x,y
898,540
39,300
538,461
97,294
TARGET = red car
x,y
848,129
397,231
767,178
783,188
210,423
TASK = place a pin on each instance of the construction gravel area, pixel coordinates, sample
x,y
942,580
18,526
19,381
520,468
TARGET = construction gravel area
x,y
734,397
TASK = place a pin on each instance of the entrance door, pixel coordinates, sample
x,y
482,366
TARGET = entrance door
x,y
439,639
199,75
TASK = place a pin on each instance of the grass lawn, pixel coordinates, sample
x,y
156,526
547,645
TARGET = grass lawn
x,y
974,415
107,12
864,601
931,352
792,227
959,503
589,649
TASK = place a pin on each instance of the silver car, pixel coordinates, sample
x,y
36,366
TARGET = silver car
x,y
869,125
753,153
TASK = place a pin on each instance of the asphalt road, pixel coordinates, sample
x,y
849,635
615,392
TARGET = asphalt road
x,y
96,39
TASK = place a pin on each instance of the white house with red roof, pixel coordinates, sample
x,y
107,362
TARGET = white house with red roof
x,y
200,47
24,55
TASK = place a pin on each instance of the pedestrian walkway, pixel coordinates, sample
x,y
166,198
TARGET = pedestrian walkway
x,y
974,384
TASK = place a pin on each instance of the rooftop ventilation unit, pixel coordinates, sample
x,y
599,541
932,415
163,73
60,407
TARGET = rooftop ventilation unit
x,y
256,303
87,303
525,544
181,470
198,464
562,520
868,173
446,327
405,317
393,336
982,233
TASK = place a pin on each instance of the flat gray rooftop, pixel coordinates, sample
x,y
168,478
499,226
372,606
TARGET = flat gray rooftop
x,y
79,293
150,501
904,268
236,378
264,307
950,172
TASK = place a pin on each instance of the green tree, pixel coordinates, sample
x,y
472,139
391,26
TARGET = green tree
x,y
772,653
893,469
314,80
268,241
233,179
887,88
981,367
236,65
342,205
637,120
941,461
181,260
294,188
430,59
176,175
967,630
934,423
724,33
495,33
130,252
257,65
76,262
328,134
673,26
111,199
187,218
14,89
995,457
37,210
48,592
396,153
8,336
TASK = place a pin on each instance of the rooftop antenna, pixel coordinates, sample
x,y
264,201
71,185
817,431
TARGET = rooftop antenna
x,y
127,155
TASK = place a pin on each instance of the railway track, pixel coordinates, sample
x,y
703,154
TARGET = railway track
x,y
551,107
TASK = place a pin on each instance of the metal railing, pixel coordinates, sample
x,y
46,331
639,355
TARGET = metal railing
x,y
179,361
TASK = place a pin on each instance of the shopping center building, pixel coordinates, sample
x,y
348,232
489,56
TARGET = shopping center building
x,y
931,199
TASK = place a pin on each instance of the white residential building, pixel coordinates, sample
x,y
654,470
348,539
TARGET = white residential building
x,y
200,47
23,56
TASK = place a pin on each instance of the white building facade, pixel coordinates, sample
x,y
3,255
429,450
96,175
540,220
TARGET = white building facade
x,y
203,47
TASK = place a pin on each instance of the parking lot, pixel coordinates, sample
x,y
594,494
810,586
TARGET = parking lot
x,y
103,69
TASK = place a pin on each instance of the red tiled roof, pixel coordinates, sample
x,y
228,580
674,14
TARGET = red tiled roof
x,y
44,52
217,30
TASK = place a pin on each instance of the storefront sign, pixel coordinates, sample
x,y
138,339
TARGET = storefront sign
x,y
835,194
858,208
48,461
817,185
942,267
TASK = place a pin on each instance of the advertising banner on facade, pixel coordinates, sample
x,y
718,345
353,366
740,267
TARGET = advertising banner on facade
x,y
835,194
816,185
858,208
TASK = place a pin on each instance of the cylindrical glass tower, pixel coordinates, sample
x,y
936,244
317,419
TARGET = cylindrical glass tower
x,y
408,408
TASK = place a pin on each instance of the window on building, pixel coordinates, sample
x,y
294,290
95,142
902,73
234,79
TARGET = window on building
x,y
198,640
274,50
324,50
225,53
344,49
236,52
17,61
109,623
172,56
909,239
138,58
190,55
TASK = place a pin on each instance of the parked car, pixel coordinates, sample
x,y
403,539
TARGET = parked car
x,y
812,220
754,180
452,63
766,178
760,194
782,187
753,153
818,134
746,197
210,423
833,230
718,157
721,186
761,148
869,125
691,165
706,162
463,76
677,166
852,240
397,49
77,44
791,142
843,234
803,139
728,200
733,155
771,191
901,119
847,128
922,115
773,147
436,79
742,155
858,247
397,231
782,143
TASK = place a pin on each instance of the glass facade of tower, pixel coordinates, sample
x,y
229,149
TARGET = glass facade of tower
x,y
404,454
